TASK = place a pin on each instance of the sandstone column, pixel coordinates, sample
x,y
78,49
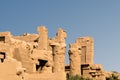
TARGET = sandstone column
x,y
43,44
43,38
59,58
59,50
74,56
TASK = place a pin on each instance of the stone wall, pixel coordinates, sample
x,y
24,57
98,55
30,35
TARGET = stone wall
x,y
34,56
81,55
38,57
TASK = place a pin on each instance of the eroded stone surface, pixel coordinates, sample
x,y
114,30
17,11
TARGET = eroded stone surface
x,y
74,53
29,55
38,57
82,59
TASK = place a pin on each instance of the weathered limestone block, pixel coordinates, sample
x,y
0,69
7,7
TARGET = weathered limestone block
x,y
74,56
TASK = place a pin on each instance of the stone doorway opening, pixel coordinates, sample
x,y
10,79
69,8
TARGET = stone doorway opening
x,y
2,56
40,65
2,39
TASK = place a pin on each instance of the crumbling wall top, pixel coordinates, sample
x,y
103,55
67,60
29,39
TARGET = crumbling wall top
x,y
5,37
41,29
7,33
84,39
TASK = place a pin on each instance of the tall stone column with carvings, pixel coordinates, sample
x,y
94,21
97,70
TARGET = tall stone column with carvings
x,y
74,56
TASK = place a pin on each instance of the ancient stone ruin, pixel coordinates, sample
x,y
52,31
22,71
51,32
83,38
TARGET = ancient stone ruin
x,y
38,57
82,53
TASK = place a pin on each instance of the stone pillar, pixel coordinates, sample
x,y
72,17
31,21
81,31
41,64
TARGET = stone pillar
x,y
59,59
43,38
59,50
90,50
74,56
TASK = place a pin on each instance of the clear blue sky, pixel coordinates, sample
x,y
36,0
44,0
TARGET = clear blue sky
x,y
99,19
